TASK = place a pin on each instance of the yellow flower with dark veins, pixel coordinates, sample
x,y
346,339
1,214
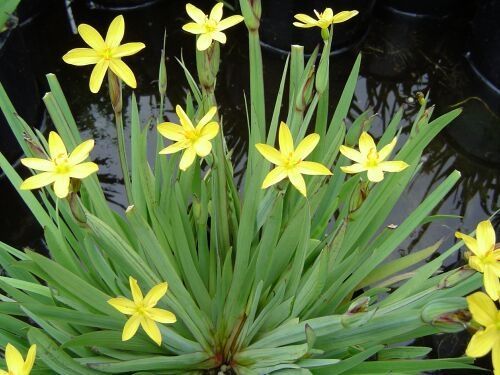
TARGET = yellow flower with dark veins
x,y
193,140
209,27
105,53
143,311
485,258
370,160
16,365
324,19
485,312
61,167
289,160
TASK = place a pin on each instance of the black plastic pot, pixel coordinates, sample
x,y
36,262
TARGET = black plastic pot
x,y
28,10
422,8
18,79
278,33
484,54
120,5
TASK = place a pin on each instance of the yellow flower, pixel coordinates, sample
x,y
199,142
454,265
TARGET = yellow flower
x,y
325,19
209,27
61,167
143,311
485,258
15,362
195,141
105,54
485,312
290,161
370,160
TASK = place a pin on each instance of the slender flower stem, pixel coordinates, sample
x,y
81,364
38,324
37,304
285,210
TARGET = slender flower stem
x,y
115,94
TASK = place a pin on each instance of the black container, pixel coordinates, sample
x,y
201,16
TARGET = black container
x,y
120,5
18,79
278,33
484,54
28,10
422,8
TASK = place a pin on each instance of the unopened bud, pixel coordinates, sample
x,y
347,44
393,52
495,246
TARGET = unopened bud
x,y
452,279
447,314
115,92
77,209
162,75
35,147
358,306
207,63
305,92
252,11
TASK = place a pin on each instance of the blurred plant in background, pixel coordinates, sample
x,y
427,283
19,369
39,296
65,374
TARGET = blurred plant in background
x,y
259,280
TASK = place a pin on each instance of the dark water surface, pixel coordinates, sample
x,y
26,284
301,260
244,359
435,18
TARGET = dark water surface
x,y
399,59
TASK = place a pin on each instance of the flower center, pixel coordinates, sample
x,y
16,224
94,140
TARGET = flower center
x,y
107,55
210,25
192,135
291,162
372,158
62,164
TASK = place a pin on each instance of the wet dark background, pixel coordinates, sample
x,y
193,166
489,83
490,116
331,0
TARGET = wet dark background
x,y
401,56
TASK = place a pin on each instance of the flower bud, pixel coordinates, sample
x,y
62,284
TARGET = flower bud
x,y
446,314
162,75
115,92
35,147
207,63
305,92
322,75
252,11
457,276
76,209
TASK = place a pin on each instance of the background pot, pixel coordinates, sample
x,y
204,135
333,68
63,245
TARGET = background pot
x,y
421,8
19,80
121,5
278,33
484,54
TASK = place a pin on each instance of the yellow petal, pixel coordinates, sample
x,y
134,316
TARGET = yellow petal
x,y
30,359
131,327
303,25
56,146
123,305
193,28
476,263
155,294
2,372
81,56
219,36
393,166
313,168
152,330
352,154
92,37
306,146
61,186
491,282
161,316
482,308
216,13
97,75
83,170
38,181
273,177
210,130
184,119
127,49
375,174
172,131
136,291
202,147
469,241
298,181
308,21
285,139
195,13
123,71
115,33
270,153
485,235
366,143
327,14
482,342
187,158
38,164
355,168
344,16
208,116
495,356
81,152
229,22
14,359
204,41
177,146
387,149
